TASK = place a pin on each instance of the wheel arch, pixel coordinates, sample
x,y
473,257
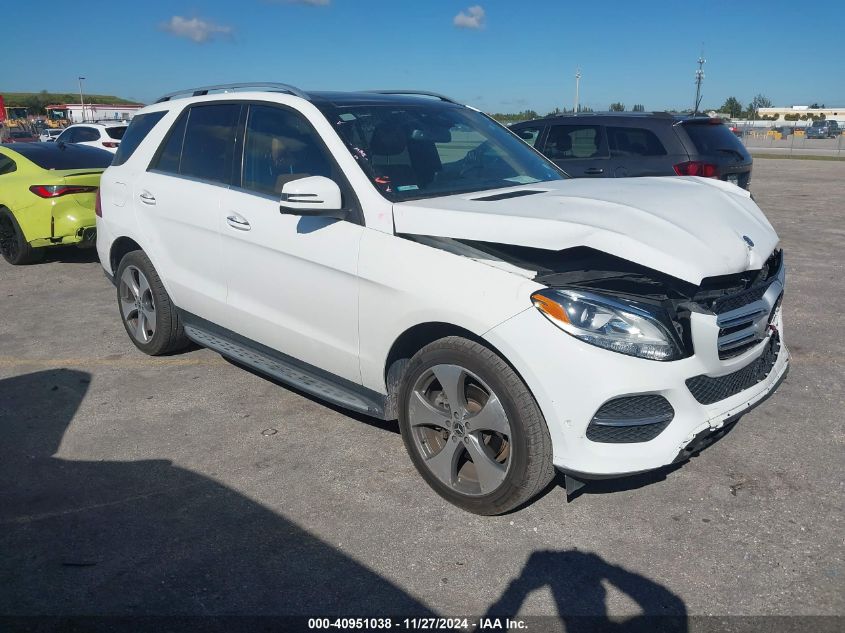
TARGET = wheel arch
x,y
120,248
413,340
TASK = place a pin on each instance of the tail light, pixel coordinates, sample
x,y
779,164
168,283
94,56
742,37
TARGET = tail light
x,y
56,191
697,168
98,205
110,144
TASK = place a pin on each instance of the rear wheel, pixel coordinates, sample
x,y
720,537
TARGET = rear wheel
x,y
472,427
13,245
148,315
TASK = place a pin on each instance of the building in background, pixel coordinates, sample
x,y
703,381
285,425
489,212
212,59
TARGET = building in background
x,y
800,114
72,112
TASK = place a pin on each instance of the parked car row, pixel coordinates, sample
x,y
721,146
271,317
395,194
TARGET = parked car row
x,y
406,257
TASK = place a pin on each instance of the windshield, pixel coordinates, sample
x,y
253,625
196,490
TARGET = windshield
x,y
426,151
818,123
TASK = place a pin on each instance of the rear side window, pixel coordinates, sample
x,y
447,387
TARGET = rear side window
x,y
86,135
210,142
710,138
632,141
7,165
574,142
171,152
134,134
116,132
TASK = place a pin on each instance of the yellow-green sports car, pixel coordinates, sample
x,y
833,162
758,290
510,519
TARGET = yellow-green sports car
x,y
47,196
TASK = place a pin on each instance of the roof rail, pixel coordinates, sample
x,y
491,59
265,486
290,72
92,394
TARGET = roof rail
x,y
422,93
204,90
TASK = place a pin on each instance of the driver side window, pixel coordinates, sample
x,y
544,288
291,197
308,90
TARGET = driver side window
x,y
280,146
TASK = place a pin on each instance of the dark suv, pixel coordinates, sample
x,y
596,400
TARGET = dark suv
x,y
624,144
823,129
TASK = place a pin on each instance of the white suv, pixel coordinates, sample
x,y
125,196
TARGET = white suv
x,y
105,136
408,257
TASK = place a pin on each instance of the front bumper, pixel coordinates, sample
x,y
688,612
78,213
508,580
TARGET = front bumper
x,y
572,380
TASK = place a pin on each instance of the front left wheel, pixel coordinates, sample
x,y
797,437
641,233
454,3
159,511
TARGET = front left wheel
x,y
472,427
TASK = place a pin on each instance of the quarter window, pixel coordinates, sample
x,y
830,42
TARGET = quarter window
x,y
631,141
135,133
280,146
574,141
7,165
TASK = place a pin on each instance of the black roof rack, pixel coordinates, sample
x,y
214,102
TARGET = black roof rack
x,y
422,93
204,90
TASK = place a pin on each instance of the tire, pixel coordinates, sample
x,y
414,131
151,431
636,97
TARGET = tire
x,y
475,460
148,314
13,245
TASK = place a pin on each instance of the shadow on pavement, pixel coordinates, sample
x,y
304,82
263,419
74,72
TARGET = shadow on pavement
x,y
138,540
148,537
576,581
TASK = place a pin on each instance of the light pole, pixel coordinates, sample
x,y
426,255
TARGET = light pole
x,y
577,85
81,99
699,77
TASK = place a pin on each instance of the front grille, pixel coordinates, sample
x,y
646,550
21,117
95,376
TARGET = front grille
x,y
630,419
744,317
707,390
732,302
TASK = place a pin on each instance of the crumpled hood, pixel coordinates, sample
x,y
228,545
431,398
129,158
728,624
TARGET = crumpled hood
x,y
690,228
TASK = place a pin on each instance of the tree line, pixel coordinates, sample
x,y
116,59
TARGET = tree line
x,y
37,102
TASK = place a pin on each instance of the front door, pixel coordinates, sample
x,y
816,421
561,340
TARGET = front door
x,y
580,150
292,280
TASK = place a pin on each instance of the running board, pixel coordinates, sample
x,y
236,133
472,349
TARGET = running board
x,y
287,370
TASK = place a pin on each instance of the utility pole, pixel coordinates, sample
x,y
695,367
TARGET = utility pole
x,y
81,99
699,77
577,84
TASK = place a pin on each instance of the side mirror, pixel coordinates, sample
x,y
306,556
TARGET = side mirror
x,y
312,196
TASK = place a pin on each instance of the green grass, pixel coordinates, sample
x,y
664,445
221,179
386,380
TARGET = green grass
x,y
797,157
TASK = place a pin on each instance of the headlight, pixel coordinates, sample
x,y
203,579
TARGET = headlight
x,y
613,324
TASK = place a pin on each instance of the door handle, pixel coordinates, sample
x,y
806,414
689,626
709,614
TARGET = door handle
x,y
238,222
147,197
594,170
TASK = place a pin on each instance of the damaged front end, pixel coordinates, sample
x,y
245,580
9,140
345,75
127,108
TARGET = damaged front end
x,y
584,282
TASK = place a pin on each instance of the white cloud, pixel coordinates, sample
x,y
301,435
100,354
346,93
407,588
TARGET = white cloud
x,y
472,18
195,29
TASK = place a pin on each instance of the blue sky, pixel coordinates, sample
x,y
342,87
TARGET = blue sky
x,y
499,55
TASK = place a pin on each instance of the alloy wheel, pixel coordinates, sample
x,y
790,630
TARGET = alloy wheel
x,y
137,305
461,430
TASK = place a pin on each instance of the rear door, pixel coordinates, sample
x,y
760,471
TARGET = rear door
x,y
178,202
579,149
639,151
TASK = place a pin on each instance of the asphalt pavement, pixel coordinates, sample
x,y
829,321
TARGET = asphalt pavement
x,y
185,485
